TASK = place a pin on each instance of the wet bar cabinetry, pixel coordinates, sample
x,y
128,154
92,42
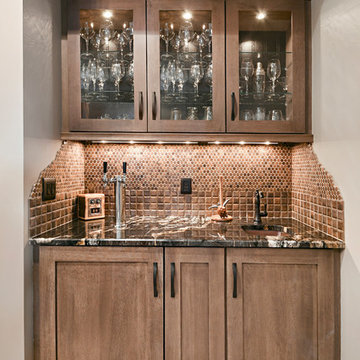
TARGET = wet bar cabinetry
x,y
186,70
186,303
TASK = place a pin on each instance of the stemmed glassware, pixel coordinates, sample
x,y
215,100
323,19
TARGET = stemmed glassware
x,y
107,33
273,72
180,79
172,75
101,77
96,42
196,74
208,77
207,35
167,34
129,31
201,43
87,32
187,35
85,79
123,40
177,45
164,78
247,71
92,68
117,73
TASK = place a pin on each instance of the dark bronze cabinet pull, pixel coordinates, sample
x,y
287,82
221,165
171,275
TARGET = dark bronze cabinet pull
x,y
154,106
172,279
155,274
141,105
234,269
232,106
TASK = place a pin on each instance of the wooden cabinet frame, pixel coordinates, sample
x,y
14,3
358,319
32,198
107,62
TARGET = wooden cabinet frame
x,y
71,69
153,29
298,41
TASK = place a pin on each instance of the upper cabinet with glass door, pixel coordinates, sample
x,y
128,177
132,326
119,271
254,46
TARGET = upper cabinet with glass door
x,y
266,66
106,65
186,66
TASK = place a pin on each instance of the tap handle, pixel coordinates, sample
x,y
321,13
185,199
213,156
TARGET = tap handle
x,y
259,194
124,167
105,167
264,214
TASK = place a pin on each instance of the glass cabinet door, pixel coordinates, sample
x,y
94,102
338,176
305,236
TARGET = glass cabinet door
x,y
186,71
106,65
266,66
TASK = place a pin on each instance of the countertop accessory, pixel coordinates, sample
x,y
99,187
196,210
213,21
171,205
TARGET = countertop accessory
x,y
91,206
120,183
258,215
222,215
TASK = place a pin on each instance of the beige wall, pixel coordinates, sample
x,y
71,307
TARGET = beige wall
x,y
42,116
11,183
336,124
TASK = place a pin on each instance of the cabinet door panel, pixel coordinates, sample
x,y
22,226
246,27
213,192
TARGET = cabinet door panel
x,y
266,66
104,304
177,104
279,310
106,77
195,315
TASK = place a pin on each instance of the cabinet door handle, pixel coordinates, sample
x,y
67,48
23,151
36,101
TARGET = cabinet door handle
x,y
141,105
155,275
234,269
154,105
172,279
232,106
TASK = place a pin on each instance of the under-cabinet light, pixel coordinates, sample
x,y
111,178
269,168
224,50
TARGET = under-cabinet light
x,y
107,14
187,15
242,142
160,142
132,142
217,142
261,15
267,142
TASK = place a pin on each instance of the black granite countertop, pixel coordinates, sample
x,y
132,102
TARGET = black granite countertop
x,y
179,231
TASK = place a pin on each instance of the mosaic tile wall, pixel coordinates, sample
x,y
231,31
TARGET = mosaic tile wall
x,y
316,201
293,181
155,171
68,169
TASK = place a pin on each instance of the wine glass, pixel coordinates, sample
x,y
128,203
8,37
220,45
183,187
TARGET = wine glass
x,y
96,42
172,75
129,31
101,77
176,44
207,35
107,33
187,35
85,81
117,73
87,32
201,44
180,79
196,74
92,68
274,72
208,77
164,78
167,34
247,71
123,40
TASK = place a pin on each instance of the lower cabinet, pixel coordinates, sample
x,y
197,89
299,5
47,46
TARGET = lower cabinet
x,y
100,304
194,304
282,304
245,304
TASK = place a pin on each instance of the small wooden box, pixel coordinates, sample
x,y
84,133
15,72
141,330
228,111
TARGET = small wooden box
x,y
91,206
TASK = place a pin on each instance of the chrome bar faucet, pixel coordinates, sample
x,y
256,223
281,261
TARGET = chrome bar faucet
x,y
258,214
119,182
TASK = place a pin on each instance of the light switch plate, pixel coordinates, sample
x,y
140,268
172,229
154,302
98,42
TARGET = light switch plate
x,y
48,189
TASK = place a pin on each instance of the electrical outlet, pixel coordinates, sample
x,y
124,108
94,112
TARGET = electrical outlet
x,y
186,186
48,189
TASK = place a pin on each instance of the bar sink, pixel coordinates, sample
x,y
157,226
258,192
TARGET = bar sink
x,y
267,230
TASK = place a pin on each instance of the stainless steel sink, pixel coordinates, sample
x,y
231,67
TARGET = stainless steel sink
x,y
267,230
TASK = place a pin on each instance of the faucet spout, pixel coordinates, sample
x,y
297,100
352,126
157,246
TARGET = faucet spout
x,y
258,214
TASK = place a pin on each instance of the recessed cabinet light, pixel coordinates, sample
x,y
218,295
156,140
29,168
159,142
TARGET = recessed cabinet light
x,y
261,15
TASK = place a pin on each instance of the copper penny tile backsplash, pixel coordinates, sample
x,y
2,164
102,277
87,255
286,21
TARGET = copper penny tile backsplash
x,y
290,177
